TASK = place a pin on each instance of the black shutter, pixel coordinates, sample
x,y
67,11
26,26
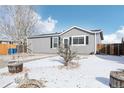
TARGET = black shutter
x,y
70,40
59,41
51,42
87,40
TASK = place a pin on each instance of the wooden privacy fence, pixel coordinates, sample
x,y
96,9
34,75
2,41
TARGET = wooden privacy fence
x,y
4,48
111,49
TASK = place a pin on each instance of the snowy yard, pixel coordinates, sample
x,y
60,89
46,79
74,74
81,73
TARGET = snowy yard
x,y
93,72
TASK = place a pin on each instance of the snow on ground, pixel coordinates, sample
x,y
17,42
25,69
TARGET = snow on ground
x,y
93,72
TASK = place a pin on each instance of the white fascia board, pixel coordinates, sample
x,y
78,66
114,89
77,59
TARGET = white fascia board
x,y
81,29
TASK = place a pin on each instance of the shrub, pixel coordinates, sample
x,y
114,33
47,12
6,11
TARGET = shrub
x,y
66,54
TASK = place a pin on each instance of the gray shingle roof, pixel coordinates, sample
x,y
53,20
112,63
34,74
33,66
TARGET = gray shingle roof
x,y
60,33
44,35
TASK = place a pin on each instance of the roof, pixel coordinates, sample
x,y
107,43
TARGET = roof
x,y
44,35
5,40
49,34
58,34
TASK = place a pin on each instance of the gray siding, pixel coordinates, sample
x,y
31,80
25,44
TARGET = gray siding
x,y
41,45
87,49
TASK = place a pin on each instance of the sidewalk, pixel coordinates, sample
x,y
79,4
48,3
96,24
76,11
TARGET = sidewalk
x,y
4,59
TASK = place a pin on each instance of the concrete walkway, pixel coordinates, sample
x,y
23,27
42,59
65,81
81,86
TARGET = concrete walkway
x,y
4,59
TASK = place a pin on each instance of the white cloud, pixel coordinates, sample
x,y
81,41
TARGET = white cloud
x,y
45,26
42,25
115,37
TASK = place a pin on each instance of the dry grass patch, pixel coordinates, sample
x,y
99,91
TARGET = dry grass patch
x,y
26,82
31,83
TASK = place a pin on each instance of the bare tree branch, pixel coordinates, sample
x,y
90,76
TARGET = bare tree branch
x,y
22,21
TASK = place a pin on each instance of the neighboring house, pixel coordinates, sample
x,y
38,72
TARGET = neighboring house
x,y
80,40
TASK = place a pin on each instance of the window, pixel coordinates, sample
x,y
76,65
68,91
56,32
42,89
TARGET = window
x,y
55,42
81,40
78,40
75,40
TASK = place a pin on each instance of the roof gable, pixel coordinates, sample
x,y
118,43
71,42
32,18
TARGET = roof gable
x,y
82,29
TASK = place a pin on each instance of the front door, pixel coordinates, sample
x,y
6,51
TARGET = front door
x,y
66,42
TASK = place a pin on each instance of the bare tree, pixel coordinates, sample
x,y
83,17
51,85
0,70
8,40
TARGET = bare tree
x,y
22,21
66,54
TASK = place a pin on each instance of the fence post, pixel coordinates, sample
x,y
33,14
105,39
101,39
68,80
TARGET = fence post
x,y
118,50
110,49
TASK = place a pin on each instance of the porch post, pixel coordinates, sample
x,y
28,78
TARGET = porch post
x,y
95,44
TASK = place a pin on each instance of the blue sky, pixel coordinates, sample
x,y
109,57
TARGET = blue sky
x,y
107,18
57,18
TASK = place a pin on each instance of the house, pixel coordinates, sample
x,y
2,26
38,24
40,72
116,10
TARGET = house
x,y
80,40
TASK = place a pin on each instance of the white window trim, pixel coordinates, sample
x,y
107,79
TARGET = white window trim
x,y
79,44
53,42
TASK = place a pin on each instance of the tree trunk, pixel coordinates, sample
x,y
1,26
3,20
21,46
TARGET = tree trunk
x,y
66,63
25,45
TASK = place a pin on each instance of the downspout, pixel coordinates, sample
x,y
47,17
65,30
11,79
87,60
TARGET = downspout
x,y
95,44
